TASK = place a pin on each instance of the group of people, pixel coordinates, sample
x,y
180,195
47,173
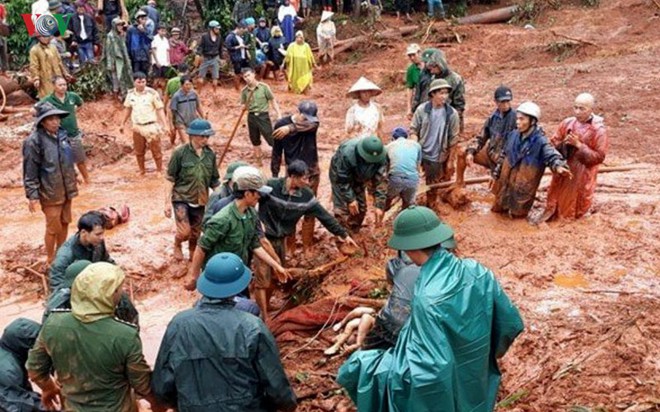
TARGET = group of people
x,y
239,230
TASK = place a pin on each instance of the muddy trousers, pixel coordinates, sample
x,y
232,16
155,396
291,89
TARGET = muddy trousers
x,y
140,144
340,208
308,221
188,223
434,172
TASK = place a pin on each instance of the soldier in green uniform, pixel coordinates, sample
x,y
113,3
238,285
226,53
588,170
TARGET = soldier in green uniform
x,y
357,164
98,359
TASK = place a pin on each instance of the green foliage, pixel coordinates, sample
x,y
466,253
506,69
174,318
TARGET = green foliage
x,y
18,40
166,12
91,82
512,399
530,10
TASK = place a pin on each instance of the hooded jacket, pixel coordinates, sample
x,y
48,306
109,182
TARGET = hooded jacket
x,y
48,171
16,394
117,60
97,358
215,358
456,95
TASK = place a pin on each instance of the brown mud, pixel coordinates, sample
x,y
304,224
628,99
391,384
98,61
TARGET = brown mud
x,y
588,289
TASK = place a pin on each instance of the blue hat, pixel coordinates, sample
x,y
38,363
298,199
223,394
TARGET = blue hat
x,y
249,21
399,132
200,127
225,275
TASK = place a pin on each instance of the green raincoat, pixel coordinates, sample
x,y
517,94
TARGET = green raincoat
x,y
117,60
445,358
98,359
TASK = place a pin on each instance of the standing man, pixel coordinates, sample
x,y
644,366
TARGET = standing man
x,y
111,9
237,52
240,364
210,48
45,63
138,42
413,73
486,148
582,140
461,323
117,59
234,228
178,49
526,154
145,108
191,172
242,10
88,243
152,12
16,393
98,360
160,57
435,125
69,102
405,159
49,176
290,200
258,97
85,33
184,109
295,138
358,163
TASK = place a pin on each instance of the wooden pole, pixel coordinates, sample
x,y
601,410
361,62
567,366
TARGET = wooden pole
x,y
238,123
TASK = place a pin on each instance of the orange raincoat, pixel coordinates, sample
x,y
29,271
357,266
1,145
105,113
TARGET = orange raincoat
x,y
571,198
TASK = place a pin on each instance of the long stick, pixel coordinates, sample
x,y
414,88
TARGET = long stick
x,y
238,122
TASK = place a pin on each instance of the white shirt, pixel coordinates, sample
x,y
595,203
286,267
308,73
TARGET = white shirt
x,y
366,118
286,11
39,7
162,50
83,32
241,43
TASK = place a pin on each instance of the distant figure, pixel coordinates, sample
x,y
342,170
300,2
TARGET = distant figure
x,y
299,61
117,59
326,36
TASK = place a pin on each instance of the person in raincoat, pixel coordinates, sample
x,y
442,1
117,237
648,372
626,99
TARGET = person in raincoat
x,y
356,164
461,322
215,357
97,358
16,394
117,60
365,117
520,168
299,63
45,63
583,141
326,35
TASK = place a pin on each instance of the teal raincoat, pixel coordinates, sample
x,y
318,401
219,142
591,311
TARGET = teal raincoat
x,y
445,358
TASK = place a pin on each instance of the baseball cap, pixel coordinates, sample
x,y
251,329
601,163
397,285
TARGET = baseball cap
x,y
309,109
413,48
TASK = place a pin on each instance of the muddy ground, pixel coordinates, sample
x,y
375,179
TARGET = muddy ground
x,y
587,289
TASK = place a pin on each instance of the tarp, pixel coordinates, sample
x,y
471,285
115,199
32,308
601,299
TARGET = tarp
x,y
445,359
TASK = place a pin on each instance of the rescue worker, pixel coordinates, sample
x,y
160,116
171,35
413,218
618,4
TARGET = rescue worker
x,y
526,154
138,42
461,323
16,393
289,201
258,98
582,140
222,191
232,352
45,63
191,172
295,138
405,160
413,73
145,108
356,164
209,51
49,176
88,243
117,60
234,228
97,359
486,148
185,107
436,67
435,125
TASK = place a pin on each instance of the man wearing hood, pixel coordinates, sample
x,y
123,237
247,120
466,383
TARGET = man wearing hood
x,y
16,394
436,67
117,59
98,359
49,176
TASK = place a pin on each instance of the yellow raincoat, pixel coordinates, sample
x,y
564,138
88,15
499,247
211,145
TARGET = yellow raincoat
x,y
299,62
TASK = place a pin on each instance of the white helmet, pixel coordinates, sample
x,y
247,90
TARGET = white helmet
x,y
530,109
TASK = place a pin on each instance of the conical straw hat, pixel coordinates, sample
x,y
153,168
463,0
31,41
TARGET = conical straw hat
x,y
363,85
326,15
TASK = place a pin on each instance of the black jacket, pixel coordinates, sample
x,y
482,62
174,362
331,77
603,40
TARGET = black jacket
x,y
216,358
298,145
90,28
209,48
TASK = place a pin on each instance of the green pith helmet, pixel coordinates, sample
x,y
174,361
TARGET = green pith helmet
x,y
418,227
371,149
229,174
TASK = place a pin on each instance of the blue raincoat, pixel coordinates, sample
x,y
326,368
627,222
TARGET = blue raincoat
x,y
445,358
